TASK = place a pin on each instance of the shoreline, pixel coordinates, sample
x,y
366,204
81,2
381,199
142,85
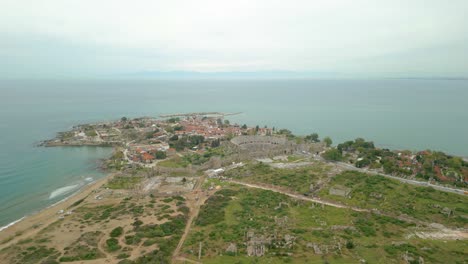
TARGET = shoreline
x,y
33,223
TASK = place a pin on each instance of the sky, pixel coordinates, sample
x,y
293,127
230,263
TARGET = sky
x,y
311,38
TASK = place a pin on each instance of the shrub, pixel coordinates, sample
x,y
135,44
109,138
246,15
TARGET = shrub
x,y
365,226
213,211
116,232
333,155
112,244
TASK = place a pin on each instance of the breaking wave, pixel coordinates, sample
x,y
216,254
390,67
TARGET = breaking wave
x,y
64,190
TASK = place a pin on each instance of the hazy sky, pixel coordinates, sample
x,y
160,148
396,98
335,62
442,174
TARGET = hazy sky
x,y
351,38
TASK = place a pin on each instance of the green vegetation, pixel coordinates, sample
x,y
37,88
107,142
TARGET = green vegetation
x,y
328,141
286,133
289,230
298,179
123,182
77,203
189,142
332,155
90,131
213,211
425,165
160,155
85,248
314,137
173,120
116,232
112,244
391,196
34,254
195,159
348,236
176,162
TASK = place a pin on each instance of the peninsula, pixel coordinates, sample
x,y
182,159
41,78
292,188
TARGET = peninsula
x,y
196,188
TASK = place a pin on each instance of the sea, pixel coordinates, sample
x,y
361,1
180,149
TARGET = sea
x,y
410,114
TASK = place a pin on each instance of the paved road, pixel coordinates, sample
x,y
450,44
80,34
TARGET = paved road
x,y
413,182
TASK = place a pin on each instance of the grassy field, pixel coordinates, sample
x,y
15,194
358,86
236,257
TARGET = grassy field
x,y
298,180
386,195
367,191
342,235
176,162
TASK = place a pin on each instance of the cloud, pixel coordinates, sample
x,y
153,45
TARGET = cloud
x,y
359,37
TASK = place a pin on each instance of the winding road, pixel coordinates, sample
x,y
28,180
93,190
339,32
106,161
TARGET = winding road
x,y
413,182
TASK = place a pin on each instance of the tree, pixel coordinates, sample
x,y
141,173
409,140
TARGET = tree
x,y
123,119
178,128
244,126
226,122
362,163
332,154
116,232
215,143
328,141
149,135
173,120
160,154
314,137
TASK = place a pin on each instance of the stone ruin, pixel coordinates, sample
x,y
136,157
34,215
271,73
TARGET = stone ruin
x,y
259,142
444,210
243,148
232,248
256,244
267,146
340,191
281,221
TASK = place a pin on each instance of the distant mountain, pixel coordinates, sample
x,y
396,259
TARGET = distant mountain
x,y
231,74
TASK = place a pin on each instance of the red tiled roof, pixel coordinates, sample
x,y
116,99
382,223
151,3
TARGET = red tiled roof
x,y
147,156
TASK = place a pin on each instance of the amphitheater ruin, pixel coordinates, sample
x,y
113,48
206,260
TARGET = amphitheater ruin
x,y
259,142
265,146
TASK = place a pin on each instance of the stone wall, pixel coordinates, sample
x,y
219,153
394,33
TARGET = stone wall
x,y
249,142
249,147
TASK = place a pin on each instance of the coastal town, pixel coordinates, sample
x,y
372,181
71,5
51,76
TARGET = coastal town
x,y
198,188
146,141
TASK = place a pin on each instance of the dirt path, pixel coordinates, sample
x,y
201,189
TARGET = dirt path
x,y
182,259
298,196
102,247
197,199
439,231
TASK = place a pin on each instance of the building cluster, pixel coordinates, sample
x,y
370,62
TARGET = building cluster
x,y
207,127
147,139
148,153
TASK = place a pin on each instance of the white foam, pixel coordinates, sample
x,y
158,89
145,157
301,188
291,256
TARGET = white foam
x,y
10,224
63,190
89,179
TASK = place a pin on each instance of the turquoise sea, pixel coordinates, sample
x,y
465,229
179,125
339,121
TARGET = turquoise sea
x,y
410,114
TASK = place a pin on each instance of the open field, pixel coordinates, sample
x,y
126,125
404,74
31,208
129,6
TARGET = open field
x,y
273,228
106,225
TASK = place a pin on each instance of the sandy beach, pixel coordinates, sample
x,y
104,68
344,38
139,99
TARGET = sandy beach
x,y
31,225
